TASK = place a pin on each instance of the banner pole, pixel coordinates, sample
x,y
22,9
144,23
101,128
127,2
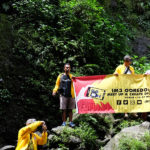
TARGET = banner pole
x,y
75,97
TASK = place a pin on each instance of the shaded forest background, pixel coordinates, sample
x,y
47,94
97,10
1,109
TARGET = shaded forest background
x,y
38,36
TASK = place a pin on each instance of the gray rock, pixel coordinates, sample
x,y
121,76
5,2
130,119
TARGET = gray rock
x,y
75,140
9,147
102,142
50,137
76,116
137,132
141,45
58,130
57,149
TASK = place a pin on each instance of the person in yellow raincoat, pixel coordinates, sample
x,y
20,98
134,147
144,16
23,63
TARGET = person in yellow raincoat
x,y
125,69
27,139
64,85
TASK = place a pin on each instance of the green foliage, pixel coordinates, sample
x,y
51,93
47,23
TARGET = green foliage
x,y
101,35
87,135
131,144
62,147
128,123
84,31
135,144
5,96
101,123
135,12
84,132
146,139
141,65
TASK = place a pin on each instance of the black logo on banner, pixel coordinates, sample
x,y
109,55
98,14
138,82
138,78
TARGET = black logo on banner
x,y
132,102
125,102
139,102
118,102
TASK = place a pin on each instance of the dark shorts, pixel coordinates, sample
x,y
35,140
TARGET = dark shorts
x,y
67,102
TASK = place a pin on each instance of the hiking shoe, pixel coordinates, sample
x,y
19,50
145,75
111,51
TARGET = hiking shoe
x,y
71,124
63,124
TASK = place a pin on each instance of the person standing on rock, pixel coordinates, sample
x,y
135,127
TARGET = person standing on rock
x,y
28,139
64,85
125,69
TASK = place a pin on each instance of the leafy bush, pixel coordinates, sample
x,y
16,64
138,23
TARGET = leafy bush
x,y
84,31
135,144
101,123
84,132
127,143
87,135
128,123
141,65
146,139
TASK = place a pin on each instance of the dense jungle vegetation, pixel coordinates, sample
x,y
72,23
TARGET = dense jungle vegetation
x,y
38,36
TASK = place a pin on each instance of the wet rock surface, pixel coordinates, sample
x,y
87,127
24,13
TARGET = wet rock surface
x,y
141,45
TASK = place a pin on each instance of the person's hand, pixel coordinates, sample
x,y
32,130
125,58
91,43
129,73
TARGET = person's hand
x,y
54,93
145,74
43,122
116,74
44,127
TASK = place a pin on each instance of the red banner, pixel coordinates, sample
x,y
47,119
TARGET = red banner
x,y
85,103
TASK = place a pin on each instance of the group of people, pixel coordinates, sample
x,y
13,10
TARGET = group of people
x,y
28,139
64,86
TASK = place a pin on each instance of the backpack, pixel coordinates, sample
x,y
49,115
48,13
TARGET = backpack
x,y
65,86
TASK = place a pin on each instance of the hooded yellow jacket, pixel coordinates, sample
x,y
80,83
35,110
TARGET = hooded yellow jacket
x,y
121,69
24,136
58,84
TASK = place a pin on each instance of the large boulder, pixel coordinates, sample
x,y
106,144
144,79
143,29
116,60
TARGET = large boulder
x,y
136,132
